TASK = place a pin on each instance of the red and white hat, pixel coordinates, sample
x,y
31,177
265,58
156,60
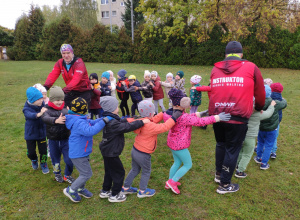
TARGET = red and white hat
x,y
196,79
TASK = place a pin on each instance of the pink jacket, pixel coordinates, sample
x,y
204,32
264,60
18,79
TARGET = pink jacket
x,y
179,136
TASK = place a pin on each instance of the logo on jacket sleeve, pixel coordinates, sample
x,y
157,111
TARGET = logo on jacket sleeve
x,y
224,104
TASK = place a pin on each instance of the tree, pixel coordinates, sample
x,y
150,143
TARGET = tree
x,y
138,17
196,18
50,14
6,37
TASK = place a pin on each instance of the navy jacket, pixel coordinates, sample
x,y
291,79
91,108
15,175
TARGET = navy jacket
x,y
277,96
135,95
105,91
35,129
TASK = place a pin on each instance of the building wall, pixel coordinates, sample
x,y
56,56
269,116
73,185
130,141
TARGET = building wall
x,y
116,10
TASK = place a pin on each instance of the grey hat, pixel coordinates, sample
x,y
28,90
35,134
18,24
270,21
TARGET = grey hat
x,y
146,108
56,94
109,103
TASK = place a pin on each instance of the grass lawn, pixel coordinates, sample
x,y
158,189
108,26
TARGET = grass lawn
x,y
26,193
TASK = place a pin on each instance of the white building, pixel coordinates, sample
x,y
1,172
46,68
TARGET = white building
x,y
111,10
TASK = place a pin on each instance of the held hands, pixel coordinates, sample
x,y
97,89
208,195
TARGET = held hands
x,y
224,116
193,87
61,119
109,87
146,121
41,112
203,113
273,103
123,83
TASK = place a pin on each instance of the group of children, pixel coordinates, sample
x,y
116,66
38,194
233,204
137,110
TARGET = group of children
x,y
70,131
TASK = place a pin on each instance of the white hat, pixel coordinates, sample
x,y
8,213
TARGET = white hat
x,y
196,79
40,87
147,73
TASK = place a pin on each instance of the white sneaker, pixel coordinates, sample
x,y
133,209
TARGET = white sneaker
x,y
117,198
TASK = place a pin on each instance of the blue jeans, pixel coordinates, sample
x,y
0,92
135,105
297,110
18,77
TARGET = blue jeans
x,y
265,143
56,149
274,149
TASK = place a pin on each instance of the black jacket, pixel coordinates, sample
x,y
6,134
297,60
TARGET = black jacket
x,y
113,140
146,89
55,131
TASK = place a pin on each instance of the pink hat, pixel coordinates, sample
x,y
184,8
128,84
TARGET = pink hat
x,y
276,87
196,79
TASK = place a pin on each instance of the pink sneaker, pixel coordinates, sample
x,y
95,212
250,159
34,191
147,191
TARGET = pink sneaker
x,y
173,185
167,187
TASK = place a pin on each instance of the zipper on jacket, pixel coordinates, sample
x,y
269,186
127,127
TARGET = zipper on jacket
x,y
87,142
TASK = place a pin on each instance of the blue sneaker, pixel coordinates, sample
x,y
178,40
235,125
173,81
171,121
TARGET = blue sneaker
x,y
130,190
273,155
264,166
45,168
34,164
74,197
257,160
147,193
85,193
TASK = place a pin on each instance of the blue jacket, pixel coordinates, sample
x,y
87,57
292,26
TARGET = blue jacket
x,y
277,96
135,95
82,132
35,129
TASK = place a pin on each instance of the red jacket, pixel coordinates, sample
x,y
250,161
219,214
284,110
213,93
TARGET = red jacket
x,y
158,92
76,78
95,99
234,83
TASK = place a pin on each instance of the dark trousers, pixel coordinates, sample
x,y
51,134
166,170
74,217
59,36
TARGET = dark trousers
x,y
96,112
31,149
114,175
69,97
124,105
58,147
134,107
229,138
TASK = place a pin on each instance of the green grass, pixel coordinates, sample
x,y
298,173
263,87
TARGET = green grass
x,y
25,193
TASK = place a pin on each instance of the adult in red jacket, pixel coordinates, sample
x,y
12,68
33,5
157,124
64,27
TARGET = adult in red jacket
x,y
74,74
234,83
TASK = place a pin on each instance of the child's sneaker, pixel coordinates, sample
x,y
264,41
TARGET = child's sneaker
x,y
73,196
35,164
167,187
45,168
255,149
85,193
273,155
264,166
217,178
239,174
69,179
120,197
130,190
173,186
146,193
257,160
104,194
228,188
59,178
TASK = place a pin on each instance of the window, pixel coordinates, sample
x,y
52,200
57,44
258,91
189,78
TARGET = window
x,y
122,4
113,13
104,2
105,14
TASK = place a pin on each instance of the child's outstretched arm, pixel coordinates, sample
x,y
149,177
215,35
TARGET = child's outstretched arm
x,y
131,89
169,85
32,114
194,120
86,129
202,88
281,104
127,127
269,112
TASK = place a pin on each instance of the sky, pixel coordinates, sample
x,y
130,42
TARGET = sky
x,y
11,10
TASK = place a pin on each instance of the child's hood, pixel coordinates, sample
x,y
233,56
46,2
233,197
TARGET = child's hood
x,y
157,79
72,119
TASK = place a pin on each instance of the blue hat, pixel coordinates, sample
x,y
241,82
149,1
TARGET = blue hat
x,y
122,73
33,94
268,91
176,95
106,75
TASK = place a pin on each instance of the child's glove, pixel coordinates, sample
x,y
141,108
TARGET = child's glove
x,y
224,116
204,113
107,119
176,114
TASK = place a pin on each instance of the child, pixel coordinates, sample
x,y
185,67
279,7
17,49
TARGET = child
x,y
43,90
144,145
180,81
95,108
179,137
194,94
147,87
58,134
113,83
267,131
277,89
132,88
111,147
268,81
168,84
105,85
123,95
158,93
80,146
35,129
249,142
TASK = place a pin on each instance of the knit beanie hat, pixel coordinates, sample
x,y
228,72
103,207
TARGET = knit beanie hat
x,y
196,79
122,73
40,87
154,73
33,94
234,47
276,87
180,73
105,75
268,91
109,103
169,74
66,47
94,76
185,102
146,108
111,73
268,81
147,73
56,94
176,95
79,105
